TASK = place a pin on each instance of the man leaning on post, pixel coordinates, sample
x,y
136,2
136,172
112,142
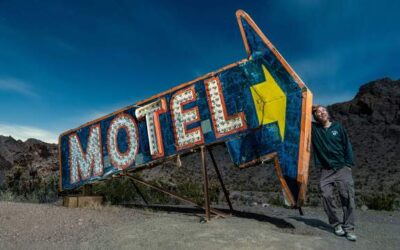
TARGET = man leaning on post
x,y
333,154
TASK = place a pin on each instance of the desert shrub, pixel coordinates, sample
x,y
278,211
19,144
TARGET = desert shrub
x,y
45,191
116,190
379,201
121,190
313,200
195,192
395,187
214,192
24,184
7,195
16,180
276,200
191,190
156,197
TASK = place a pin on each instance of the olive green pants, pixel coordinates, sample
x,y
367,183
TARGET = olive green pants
x,y
341,179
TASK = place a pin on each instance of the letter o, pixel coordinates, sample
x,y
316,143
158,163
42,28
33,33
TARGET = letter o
x,y
118,159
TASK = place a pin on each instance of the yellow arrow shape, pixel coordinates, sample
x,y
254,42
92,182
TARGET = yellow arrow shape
x,y
270,102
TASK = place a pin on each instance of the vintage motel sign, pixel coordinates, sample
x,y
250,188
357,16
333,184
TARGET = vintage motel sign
x,y
258,107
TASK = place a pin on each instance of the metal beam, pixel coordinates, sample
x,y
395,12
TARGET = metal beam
x,y
176,196
205,186
226,193
139,192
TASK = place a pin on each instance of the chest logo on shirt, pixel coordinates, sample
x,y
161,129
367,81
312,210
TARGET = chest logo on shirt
x,y
334,132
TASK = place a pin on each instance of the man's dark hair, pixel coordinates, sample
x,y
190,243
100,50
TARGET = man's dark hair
x,y
314,110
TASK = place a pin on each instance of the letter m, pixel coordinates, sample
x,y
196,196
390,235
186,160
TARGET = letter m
x,y
84,164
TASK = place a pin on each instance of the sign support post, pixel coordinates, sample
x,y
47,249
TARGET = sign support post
x,y
226,193
205,186
139,192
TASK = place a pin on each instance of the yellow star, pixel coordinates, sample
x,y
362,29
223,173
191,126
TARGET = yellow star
x,y
270,102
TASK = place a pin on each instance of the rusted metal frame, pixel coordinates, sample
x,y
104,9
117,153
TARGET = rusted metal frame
x,y
139,192
205,186
285,187
176,196
282,180
262,159
304,147
226,193
300,211
244,15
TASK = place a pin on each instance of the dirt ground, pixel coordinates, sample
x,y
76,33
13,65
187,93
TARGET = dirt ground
x,y
51,226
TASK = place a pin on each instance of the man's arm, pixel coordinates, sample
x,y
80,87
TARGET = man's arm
x,y
314,152
348,151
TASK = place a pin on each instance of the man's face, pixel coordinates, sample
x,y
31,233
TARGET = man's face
x,y
321,115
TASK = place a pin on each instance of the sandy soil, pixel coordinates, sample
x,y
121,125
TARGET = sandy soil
x,y
51,226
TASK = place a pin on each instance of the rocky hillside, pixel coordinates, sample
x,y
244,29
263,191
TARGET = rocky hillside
x,y
372,120
38,155
28,166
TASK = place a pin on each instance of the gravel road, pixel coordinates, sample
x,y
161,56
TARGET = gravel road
x,y
51,226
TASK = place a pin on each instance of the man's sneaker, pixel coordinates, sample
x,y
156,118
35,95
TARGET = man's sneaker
x,y
339,230
351,236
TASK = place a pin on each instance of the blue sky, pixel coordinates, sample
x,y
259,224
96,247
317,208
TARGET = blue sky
x,y
64,63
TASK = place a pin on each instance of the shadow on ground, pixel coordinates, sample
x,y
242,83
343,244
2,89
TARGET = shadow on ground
x,y
278,222
314,223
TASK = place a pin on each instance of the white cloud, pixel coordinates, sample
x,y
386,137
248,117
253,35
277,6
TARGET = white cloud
x,y
18,86
25,132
